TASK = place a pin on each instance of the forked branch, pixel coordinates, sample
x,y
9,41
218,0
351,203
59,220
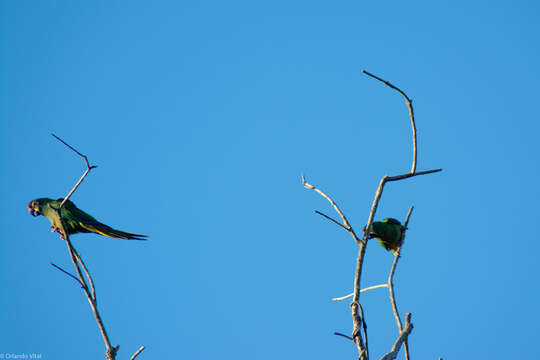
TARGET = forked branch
x,y
346,224
110,351
403,336
355,305
357,315
390,284
87,282
88,168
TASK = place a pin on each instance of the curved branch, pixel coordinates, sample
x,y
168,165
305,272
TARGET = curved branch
x,y
390,284
403,335
357,320
355,304
411,114
346,224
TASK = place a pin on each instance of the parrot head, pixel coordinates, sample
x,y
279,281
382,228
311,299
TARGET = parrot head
x,y
35,207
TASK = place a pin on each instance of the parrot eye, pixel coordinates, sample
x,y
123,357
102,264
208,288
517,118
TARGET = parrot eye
x,y
33,208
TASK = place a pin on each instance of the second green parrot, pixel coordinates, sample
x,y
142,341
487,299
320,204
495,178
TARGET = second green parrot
x,y
388,232
75,220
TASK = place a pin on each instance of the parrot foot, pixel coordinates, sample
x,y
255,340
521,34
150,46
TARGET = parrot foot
x,y
57,230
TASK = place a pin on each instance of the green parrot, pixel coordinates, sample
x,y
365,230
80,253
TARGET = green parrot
x,y
75,220
388,232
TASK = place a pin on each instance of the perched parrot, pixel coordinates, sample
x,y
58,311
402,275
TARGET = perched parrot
x,y
75,220
388,232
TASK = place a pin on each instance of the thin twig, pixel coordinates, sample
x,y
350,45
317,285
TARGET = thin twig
x,y
72,148
364,289
408,175
364,326
67,273
391,284
357,321
333,220
137,352
411,114
88,276
345,336
88,168
403,335
336,207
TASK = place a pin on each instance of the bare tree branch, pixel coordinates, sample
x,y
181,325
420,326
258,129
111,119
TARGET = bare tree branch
x,y
67,273
364,326
88,168
343,335
403,335
357,321
408,175
331,219
346,224
111,353
390,284
77,261
88,276
137,353
411,114
364,289
355,304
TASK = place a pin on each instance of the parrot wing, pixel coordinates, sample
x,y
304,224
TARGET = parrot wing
x,y
77,220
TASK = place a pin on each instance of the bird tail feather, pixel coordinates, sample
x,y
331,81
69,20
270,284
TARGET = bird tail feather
x,y
108,231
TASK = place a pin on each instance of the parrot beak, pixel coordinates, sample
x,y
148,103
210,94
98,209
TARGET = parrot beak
x,y
34,210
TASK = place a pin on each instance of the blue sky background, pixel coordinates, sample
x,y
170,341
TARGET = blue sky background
x,y
202,117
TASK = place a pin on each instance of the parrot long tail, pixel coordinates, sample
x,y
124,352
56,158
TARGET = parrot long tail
x,y
108,231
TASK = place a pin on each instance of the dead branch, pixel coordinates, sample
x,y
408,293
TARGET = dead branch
x,y
111,352
390,285
331,219
78,262
355,304
346,224
378,194
362,290
343,335
88,168
403,335
357,320
137,352
67,273
411,114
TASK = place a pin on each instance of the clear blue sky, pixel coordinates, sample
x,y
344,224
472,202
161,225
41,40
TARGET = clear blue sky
x,y
202,116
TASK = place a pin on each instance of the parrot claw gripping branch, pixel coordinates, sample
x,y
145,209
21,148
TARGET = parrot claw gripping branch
x,y
67,219
390,234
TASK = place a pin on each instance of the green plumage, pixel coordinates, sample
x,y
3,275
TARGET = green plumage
x,y
75,220
389,233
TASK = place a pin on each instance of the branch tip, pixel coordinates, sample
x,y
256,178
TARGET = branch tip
x,y
137,352
343,335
